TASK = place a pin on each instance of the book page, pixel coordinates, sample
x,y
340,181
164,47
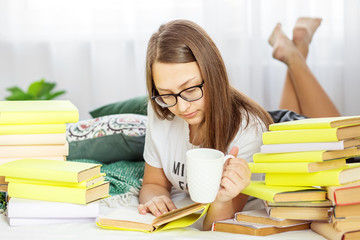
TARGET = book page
x,y
130,214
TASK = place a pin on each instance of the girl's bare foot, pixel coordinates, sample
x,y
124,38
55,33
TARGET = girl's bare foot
x,y
303,32
283,47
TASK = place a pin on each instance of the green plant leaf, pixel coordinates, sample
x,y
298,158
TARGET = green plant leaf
x,y
35,88
15,90
55,94
46,89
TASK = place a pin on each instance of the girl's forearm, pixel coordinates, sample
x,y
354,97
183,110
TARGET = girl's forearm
x,y
218,211
148,191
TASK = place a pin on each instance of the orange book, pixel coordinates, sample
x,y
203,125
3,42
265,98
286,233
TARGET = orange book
x,y
344,194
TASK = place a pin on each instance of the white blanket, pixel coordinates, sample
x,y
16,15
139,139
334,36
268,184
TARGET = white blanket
x,y
89,231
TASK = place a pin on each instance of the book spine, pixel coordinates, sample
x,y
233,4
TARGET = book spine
x,y
31,150
33,139
279,167
301,147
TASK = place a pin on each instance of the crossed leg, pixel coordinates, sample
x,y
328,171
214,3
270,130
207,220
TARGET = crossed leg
x,y
302,92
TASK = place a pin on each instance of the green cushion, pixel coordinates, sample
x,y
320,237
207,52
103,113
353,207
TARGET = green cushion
x,y
137,105
108,139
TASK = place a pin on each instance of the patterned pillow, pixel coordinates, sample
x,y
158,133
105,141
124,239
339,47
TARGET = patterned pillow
x,y
108,139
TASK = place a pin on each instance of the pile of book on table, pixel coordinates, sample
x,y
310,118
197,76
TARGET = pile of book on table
x,y
308,164
42,187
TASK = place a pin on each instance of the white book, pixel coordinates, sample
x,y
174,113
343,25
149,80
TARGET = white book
x,y
28,208
43,221
310,146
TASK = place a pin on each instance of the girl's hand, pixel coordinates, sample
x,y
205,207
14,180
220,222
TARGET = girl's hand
x,y
236,177
157,206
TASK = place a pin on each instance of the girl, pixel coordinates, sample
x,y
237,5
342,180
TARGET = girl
x,y
192,105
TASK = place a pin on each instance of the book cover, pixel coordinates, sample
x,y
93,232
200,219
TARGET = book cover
x,y
129,219
261,216
299,167
326,229
59,193
256,229
333,177
344,194
311,156
84,184
31,150
35,209
316,123
33,139
311,135
309,146
32,129
38,112
259,190
43,169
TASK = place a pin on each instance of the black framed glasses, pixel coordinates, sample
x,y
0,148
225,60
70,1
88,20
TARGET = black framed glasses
x,y
188,94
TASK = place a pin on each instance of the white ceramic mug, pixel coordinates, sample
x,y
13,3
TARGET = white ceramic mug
x,y
204,167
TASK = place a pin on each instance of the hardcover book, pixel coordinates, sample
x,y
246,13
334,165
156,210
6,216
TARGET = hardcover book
x,y
31,150
326,229
311,135
316,123
256,229
33,209
259,190
78,195
38,112
50,170
301,213
333,177
344,194
130,219
310,146
261,216
299,167
32,129
311,156
33,139
346,211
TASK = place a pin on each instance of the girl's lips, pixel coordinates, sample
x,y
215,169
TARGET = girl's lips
x,y
190,115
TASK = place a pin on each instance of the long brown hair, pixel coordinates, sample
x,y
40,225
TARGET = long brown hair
x,y
183,41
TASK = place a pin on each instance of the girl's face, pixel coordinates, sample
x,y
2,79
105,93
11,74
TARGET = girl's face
x,y
172,78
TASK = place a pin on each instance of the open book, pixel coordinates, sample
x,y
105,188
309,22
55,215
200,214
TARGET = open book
x,y
130,219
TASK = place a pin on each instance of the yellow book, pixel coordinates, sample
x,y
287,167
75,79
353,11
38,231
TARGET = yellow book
x,y
84,184
50,170
129,219
37,112
307,156
316,123
59,193
311,135
269,193
32,129
299,167
333,177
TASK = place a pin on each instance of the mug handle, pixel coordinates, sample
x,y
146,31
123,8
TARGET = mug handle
x,y
227,157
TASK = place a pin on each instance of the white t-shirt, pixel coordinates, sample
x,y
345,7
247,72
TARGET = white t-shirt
x,y
166,143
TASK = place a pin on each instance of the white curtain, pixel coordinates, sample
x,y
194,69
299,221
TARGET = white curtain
x,y
95,49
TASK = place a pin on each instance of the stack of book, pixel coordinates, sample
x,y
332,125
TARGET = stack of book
x,y
34,129
48,191
313,154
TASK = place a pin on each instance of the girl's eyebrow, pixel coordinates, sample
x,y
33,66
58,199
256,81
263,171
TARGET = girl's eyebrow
x,y
185,83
